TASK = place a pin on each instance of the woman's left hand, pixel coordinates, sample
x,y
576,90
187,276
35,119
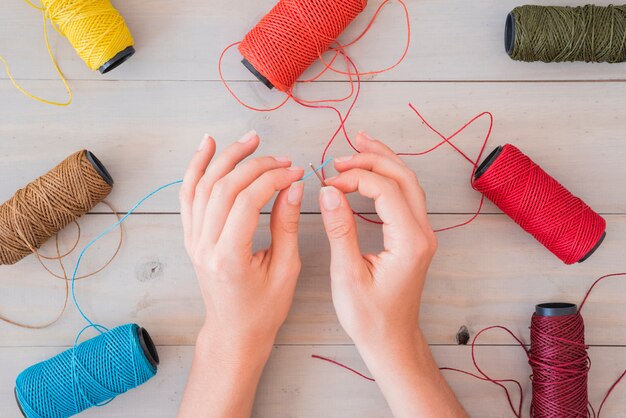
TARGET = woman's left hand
x,y
247,295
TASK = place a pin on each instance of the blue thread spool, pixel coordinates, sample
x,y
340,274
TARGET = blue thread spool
x,y
91,374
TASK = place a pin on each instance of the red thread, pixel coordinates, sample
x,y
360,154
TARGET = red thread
x,y
559,361
344,366
538,203
295,33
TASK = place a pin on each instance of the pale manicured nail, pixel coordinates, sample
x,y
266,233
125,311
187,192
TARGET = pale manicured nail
x,y
366,136
343,159
204,141
294,195
295,168
330,198
247,137
282,159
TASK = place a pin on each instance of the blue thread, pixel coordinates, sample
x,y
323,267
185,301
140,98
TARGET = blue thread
x,y
92,373
93,241
97,370
104,367
306,176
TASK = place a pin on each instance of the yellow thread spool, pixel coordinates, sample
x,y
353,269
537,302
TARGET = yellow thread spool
x,y
95,29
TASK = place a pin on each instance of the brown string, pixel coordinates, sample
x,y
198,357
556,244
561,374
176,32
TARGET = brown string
x,y
44,207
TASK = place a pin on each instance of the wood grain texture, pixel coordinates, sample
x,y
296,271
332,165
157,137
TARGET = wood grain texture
x,y
295,385
182,40
490,272
145,133
144,120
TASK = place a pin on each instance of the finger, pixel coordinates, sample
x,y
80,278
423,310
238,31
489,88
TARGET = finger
x,y
226,189
345,254
284,222
195,170
222,165
401,174
236,237
366,143
400,228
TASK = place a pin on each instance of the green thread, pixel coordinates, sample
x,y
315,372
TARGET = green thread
x,y
556,34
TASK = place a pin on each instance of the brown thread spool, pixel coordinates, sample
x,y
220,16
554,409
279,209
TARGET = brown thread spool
x,y
40,210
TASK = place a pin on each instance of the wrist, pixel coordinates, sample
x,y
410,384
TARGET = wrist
x,y
233,349
392,351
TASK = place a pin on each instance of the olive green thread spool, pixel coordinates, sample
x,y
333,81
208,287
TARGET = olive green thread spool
x,y
558,34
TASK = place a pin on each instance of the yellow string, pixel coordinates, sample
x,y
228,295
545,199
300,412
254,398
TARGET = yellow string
x,y
95,29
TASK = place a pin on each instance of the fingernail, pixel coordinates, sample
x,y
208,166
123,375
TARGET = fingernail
x,y
366,136
247,137
343,159
282,159
294,195
204,141
295,168
330,198
327,179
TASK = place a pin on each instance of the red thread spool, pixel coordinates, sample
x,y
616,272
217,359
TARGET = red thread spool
x,y
559,360
293,35
538,203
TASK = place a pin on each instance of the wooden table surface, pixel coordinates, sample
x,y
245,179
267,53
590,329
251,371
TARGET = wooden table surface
x,y
144,120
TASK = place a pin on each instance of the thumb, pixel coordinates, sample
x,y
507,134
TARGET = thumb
x,y
340,228
284,227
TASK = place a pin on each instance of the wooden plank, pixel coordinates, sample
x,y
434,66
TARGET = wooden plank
x,y
145,132
487,273
183,40
294,384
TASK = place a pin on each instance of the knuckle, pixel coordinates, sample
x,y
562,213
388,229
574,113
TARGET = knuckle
x,y
245,200
222,188
198,258
411,175
290,224
339,230
203,187
215,264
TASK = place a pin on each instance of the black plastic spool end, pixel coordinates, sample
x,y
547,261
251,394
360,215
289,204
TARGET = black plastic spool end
x,y
117,60
257,74
509,34
148,347
555,309
99,167
595,247
487,162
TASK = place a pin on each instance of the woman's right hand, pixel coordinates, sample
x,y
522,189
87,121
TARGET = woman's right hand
x,y
377,296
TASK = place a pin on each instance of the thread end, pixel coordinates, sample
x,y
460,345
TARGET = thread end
x,y
117,60
148,347
509,34
555,309
257,74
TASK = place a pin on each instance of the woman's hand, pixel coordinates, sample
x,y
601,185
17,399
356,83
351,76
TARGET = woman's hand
x,y
247,295
377,296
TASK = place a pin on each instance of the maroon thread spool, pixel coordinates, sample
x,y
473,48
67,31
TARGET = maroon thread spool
x,y
559,361
544,208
